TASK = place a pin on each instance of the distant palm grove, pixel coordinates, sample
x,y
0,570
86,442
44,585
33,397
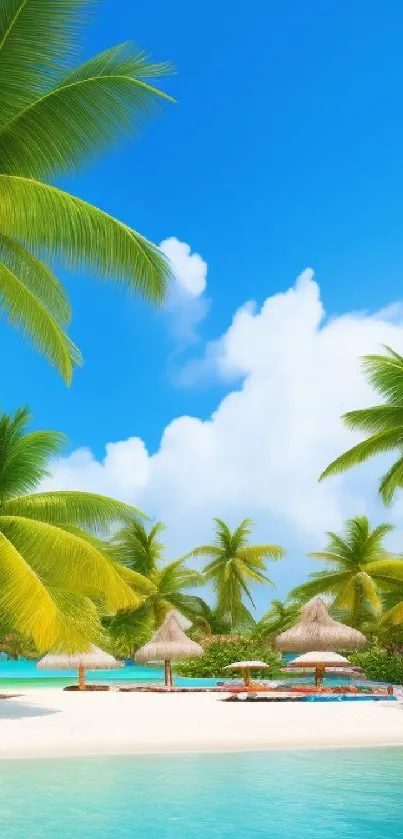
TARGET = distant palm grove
x,y
78,567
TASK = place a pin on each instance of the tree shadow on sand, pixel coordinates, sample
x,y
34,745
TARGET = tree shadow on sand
x,y
13,710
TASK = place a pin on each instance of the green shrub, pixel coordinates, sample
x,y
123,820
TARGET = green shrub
x,y
221,652
380,665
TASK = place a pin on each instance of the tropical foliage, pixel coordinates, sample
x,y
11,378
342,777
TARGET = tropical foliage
x,y
54,572
220,653
140,550
380,665
233,566
359,569
280,617
383,423
54,117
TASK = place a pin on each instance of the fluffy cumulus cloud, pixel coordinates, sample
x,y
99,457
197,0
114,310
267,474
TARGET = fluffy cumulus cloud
x,y
291,373
187,304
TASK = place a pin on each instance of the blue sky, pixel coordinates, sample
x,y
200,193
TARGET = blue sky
x,y
284,150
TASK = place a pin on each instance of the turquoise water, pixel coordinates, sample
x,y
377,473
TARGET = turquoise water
x,y
23,671
353,794
19,673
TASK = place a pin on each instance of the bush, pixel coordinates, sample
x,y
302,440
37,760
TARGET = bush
x,y
380,665
219,653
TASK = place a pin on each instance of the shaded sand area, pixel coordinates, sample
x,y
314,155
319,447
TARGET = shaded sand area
x,y
51,723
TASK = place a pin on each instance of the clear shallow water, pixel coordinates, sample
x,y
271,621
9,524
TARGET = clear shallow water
x,y
348,794
23,672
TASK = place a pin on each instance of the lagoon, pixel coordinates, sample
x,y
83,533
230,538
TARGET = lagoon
x,y
347,794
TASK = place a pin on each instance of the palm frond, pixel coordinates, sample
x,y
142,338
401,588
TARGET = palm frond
x,y
391,481
328,556
26,311
394,615
86,510
68,560
89,109
385,373
47,615
203,550
37,42
175,576
254,553
38,278
390,569
380,443
24,457
324,583
80,236
378,418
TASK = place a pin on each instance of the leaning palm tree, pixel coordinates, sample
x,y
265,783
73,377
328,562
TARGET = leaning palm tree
x,y
54,574
360,570
54,116
384,423
141,551
234,565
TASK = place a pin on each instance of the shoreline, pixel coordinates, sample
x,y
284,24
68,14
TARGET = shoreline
x,y
50,723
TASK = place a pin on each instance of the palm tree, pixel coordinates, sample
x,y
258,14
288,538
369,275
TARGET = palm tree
x,y
361,568
54,116
141,551
234,565
53,569
384,423
280,617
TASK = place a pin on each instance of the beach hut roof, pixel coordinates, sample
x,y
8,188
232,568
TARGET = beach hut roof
x,y
93,659
247,665
312,659
316,630
168,644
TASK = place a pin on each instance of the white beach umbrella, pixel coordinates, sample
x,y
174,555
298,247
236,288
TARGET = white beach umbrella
x,y
318,661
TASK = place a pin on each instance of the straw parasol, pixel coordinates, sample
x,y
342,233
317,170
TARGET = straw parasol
x,y
245,667
93,659
168,644
316,630
318,660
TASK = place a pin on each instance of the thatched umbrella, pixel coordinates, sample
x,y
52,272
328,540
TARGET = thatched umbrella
x,y
318,661
316,630
245,667
168,644
93,659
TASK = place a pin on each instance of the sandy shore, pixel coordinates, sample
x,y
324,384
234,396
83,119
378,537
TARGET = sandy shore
x,y
51,723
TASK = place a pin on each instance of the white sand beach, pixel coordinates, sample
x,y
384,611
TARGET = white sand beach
x,y
53,723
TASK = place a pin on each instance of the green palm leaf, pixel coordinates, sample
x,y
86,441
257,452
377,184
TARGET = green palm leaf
x,y
37,277
25,311
80,235
47,615
37,41
86,510
328,582
384,441
69,560
378,418
385,373
256,553
87,110
24,457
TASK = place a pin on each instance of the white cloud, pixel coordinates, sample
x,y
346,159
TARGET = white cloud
x,y
262,450
187,304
